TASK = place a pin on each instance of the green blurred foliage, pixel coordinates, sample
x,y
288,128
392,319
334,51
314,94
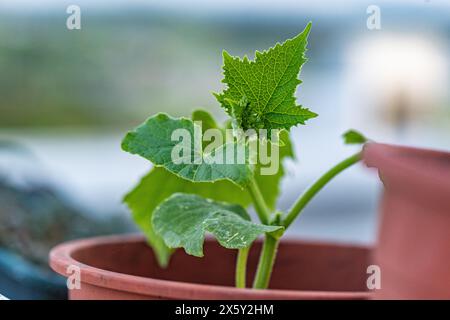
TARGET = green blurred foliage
x,y
120,67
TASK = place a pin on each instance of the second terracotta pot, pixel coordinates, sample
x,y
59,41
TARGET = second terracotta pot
x,y
414,239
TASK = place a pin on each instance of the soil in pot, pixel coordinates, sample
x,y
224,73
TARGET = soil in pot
x,y
123,267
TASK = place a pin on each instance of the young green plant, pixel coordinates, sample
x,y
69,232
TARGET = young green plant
x,y
182,199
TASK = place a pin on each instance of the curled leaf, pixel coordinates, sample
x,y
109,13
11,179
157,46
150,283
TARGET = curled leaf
x,y
183,219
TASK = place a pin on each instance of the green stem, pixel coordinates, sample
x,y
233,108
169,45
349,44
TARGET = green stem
x,y
304,199
265,264
268,252
258,202
241,267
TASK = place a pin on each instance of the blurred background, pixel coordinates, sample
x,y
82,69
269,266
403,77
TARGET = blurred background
x,y
67,97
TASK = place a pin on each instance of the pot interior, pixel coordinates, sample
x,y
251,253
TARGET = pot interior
x,y
299,265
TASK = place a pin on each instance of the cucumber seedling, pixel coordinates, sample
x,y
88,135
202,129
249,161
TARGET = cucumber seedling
x,y
206,175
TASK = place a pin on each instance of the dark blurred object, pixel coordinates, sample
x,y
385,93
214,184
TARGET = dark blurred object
x,y
34,217
20,279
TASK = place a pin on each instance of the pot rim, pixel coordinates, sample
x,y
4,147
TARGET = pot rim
x,y
394,161
60,258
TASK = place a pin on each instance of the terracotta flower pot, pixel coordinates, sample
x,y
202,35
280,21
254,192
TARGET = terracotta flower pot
x,y
414,238
123,267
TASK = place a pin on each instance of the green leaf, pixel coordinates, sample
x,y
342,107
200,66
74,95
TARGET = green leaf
x,y
143,199
160,184
207,122
153,141
183,219
206,119
269,185
354,137
260,93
